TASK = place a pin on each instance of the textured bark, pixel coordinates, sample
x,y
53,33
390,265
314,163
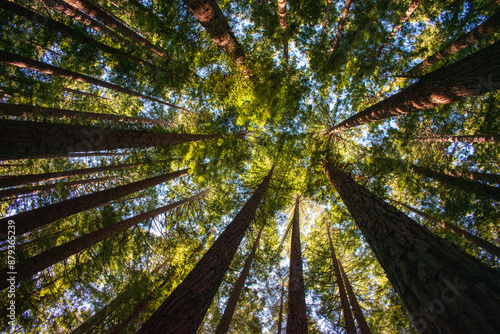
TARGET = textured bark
x,y
346,309
280,315
35,65
340,27
297,316
35,264
464,139
284,25
134,314
26,139
477,74
183,311
488,27
461,183
356,309
46,187
445,289
31,111
15,180
480,176
225,321
475,240
30,220
327,16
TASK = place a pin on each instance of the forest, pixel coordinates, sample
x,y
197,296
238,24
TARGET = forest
x,y
250,166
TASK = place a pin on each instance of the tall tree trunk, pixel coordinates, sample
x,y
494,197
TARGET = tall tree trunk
x,y
31,111
475,75
284,25
297,316
73,91
327,16
280,315
46,187
26,139
477,241
480,176
225,321
30,220
35,65
183,311
486,28
445,289
340,27
356,309
211,18
461,183
15,180
134,314
89,154
346,309
464,139
35,264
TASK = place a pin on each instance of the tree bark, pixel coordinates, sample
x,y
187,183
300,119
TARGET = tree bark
x,y
15,180
486,28
297,316
340,27
464,139
284,25
225,321
183,311
480,176
327,16
35,65
446,290
26,139
475,240
475,75
280,315
469,186
90,154
346,309
30,220
73,91
356,309
35,264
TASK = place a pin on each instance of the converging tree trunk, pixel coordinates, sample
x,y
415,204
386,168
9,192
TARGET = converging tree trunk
x,y
479,176
35,264
445,289
327,16
340,27
475,240
30,220
476,74
225,321
183,311
346,309
464,139
297,315
284,26
280,315
26,139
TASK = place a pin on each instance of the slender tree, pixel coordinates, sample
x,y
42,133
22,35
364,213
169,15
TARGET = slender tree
x,y
479,176
474,75
346,309
445,289
464,139
284,26
225,321
297,316
329,4
340,27
30,220
280,315
183,311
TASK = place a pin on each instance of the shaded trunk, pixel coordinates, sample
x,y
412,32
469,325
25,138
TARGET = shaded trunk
x,y
134,314
35,264
183,311
30,220
91,154
31,111
340,27
26,139
297,316
475,240
46,187
477,74
486,28
225,321
69,90
356,309
346,309
446,290
480,176
469,186
464,139
280,315
35,65
284,26
15,180
327,16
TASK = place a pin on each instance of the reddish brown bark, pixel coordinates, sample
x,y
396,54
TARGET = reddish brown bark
x,y
297,312
26,139
346,309
35,264
480,176
225,321
340,27
464,139
280,315
475,75
183,311
446,290
327,16
30,220
284,25
35,65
